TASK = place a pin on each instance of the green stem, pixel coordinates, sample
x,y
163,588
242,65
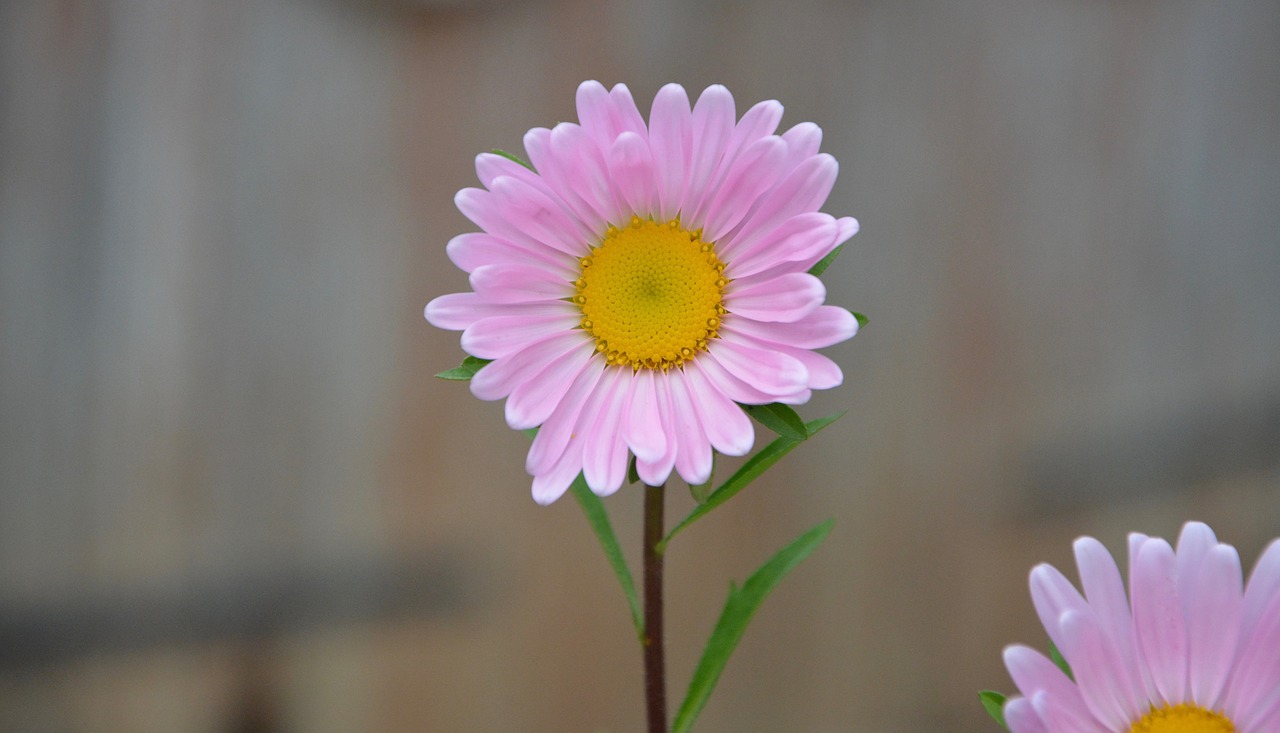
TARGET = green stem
x,y
655,675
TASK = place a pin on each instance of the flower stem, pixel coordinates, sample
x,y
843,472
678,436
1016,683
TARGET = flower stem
x,y
655,671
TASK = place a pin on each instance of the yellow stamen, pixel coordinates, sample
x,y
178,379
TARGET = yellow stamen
x,y
1184,718
651,294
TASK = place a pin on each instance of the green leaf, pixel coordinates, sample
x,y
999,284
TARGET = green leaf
x,y
1060,660
738,611
825,262
633,476
754,466
599,520
466,371
862,319
779,418
512,157
994,703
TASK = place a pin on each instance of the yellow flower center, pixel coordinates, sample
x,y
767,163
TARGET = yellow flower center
x,y
651,294
1185,718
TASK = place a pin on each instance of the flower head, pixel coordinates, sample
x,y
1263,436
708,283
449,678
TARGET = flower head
x,y
641,279
1192,650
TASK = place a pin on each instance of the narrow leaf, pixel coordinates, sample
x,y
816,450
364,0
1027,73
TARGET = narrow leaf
x,y
862,319
1060,660
518,159
994,703
465,371
633,476
779,418
756,465
599,519
738,610
825,262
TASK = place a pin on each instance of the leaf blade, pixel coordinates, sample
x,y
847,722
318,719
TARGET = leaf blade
x,y
598,518
739,609
748,472
994,704
781,419
512,157
464,371
825,262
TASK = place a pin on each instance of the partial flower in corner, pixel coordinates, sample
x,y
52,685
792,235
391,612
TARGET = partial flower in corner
x,y
639,280
1193,650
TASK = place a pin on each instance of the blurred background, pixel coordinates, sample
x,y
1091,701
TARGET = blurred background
x,y
233,498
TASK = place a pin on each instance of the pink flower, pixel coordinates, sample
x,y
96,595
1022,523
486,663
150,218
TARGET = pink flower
x,y
1192,651
645,279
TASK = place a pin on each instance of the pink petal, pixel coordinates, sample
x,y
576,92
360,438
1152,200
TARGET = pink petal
x,y
759,121
1033,672
767,371
533,401
594,111
656,472
489,166
605,116
784,299
713,124
551,484
693,450
499,336
825,326
795,239
582,172
540,217
604,453
642,425
1021,717
824,373
1065,716
586,169
1104,591
1194,544
631,167
732,387
518,284
1098,671
487,212
456,311
803,190
752,173
1213,623
554,436
849,226
1053,595
554,172
1265,718
803,141
1255,682
476,249
1264,585
671,140
498,378
726,425
1158,617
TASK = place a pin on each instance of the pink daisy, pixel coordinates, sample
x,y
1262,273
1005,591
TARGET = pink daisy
x,y
644,280
1192,651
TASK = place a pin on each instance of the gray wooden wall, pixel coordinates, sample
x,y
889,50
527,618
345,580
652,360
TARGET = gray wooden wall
x,y
232,498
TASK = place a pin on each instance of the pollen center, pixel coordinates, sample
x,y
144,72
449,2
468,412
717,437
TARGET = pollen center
x,y
1185,718
651,294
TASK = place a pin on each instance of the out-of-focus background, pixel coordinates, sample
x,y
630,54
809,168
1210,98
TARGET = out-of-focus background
x,y
233,499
